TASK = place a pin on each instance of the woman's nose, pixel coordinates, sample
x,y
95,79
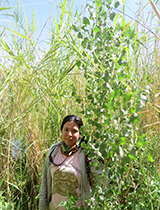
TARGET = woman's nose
x,y
69,133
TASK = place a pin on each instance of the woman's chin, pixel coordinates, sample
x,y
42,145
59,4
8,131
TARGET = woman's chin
x,y
69,143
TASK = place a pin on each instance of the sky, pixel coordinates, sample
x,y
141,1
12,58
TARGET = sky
x,y
45,8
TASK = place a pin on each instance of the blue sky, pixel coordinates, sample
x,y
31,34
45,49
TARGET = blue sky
x,y
45,8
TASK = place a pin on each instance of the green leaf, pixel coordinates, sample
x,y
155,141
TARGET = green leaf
x,y
112,15
1,182
96,29
74,94
150,159
84,42
122,140
143,171
78,64
103,149
117,93
7,48
134,117
75,28
141,140
63,203
86,21
78,100
121,75
116,4
106,77
125,159
96,144
5,8
120,170
109,2
80,36
98,3
127,97
115,21
13,185
123,23
131,157
83,145
63,12
57,26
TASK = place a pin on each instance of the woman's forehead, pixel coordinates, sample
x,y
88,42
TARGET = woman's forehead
x,y
71,124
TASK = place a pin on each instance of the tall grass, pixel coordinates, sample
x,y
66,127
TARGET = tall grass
x,y
39,87
36,92
149,77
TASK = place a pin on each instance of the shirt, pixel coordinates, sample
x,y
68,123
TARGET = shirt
x,y
65,178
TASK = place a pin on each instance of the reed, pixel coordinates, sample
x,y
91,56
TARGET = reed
x,y
148,72
36,92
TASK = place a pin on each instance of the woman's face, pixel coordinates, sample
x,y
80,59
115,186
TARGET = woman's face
x,y
70,133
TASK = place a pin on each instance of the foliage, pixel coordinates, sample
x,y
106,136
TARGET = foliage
x,y
3,204
94,68
113,111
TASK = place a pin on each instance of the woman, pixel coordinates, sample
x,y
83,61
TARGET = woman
x,y
65,169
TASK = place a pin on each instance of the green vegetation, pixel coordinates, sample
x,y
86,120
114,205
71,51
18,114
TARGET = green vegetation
x,y
98,67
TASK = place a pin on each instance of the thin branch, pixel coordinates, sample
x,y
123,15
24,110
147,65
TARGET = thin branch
x,y
144,26
1,3
155,9
155,123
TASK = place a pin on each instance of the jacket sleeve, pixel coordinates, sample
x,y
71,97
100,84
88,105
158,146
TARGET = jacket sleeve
x,y
43,189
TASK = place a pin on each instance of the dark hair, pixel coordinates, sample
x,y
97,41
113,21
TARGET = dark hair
x,y
74,118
